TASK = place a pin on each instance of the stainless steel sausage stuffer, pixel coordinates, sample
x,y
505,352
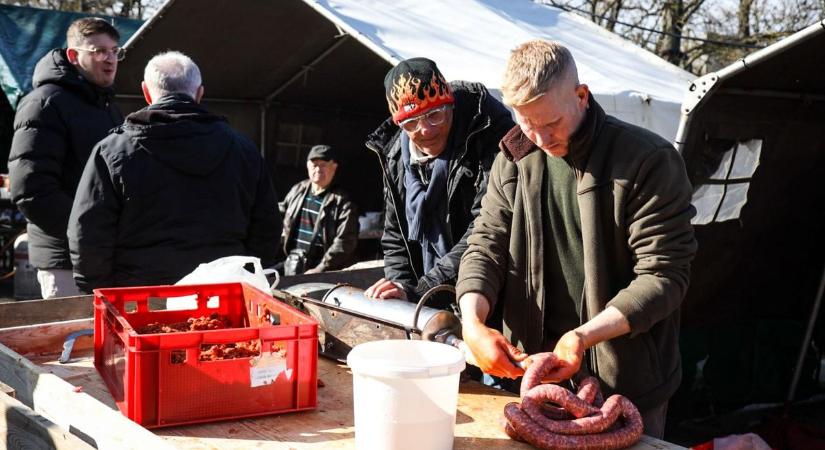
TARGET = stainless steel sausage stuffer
x,y
347,317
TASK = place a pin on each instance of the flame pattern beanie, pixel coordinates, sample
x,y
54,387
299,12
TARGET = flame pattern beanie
x,y
415,86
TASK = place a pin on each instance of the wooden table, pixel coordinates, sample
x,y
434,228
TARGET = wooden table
x,y
74,397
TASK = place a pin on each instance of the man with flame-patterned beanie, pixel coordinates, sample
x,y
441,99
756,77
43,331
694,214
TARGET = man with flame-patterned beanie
x,y
436,150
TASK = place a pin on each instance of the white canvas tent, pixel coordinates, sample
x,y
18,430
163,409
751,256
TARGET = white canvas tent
x,y
293,73
472,39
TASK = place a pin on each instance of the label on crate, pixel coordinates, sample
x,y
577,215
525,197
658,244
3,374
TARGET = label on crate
x,y
266,368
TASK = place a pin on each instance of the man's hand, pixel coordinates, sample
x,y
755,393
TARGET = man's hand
x,y
492,352
312,270
571,346
570,351
384,289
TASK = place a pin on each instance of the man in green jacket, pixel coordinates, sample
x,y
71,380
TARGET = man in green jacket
x,y
583,244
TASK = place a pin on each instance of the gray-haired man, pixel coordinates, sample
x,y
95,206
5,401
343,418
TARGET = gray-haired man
x,y
173,187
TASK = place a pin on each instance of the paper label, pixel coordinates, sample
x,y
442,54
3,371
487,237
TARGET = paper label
x,y
265,369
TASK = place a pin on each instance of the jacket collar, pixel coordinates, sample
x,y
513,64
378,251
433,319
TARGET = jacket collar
x,y
172,108
516,145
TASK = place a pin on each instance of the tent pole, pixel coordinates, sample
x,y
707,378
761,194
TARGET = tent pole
x,y
339,39
802,350
264,106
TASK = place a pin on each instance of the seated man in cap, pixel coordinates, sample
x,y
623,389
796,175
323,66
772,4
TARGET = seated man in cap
x,y
436,151
320,222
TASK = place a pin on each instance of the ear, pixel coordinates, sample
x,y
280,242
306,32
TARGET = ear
x,y
146,94
583,93
71,55
199,94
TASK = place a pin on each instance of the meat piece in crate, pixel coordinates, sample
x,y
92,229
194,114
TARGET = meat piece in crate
x,y
160,379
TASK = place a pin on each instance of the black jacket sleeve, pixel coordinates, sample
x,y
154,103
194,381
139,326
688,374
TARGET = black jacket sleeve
x,y
93,225
36,160
264,222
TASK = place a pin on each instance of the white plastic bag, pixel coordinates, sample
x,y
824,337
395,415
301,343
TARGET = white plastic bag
x,y
229,269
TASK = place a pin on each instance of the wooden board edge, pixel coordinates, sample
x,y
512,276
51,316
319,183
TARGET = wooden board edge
x,y
45,338
71,409
20,427
29,312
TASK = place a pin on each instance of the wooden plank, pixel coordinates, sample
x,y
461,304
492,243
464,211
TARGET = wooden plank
x,y
46,338
14,314
8,390
71,409
21,428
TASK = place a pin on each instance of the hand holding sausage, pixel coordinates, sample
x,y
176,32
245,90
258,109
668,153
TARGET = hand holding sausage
x,y
569,352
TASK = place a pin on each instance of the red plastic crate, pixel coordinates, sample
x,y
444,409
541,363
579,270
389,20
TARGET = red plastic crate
x,y
155,391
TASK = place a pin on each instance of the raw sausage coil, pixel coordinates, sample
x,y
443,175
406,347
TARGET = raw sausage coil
x,y
537,436
574,421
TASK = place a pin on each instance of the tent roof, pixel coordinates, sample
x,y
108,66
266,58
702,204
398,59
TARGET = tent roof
x,y
780,68
477,46
26,34
788,69
252,50
258,49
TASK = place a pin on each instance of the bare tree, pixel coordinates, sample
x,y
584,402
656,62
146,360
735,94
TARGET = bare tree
x,y
699,35
134,9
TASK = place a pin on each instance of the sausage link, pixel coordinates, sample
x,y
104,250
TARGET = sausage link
x,y
508,429
561,397
588,390
585,425
534,434
540,365
555,413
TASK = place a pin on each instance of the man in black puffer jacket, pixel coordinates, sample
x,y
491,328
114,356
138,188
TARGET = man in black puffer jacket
x,y
55,128
172,188
436,152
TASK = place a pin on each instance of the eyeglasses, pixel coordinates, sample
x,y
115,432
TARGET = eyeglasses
x,y
102,54
435,117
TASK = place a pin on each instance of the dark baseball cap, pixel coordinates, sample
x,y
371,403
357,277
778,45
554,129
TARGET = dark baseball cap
x,y
324,152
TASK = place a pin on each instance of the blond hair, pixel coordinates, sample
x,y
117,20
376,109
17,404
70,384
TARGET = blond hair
x,y
533,68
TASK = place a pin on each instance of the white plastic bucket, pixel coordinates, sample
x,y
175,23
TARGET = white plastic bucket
x,y
405,394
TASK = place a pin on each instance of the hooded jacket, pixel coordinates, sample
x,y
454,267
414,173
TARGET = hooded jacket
x,y
55,128
174,187
336,226
634,204
479,123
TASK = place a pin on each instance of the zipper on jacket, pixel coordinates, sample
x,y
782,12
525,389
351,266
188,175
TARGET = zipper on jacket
x,y
590,353
450,192
387,183
531,299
